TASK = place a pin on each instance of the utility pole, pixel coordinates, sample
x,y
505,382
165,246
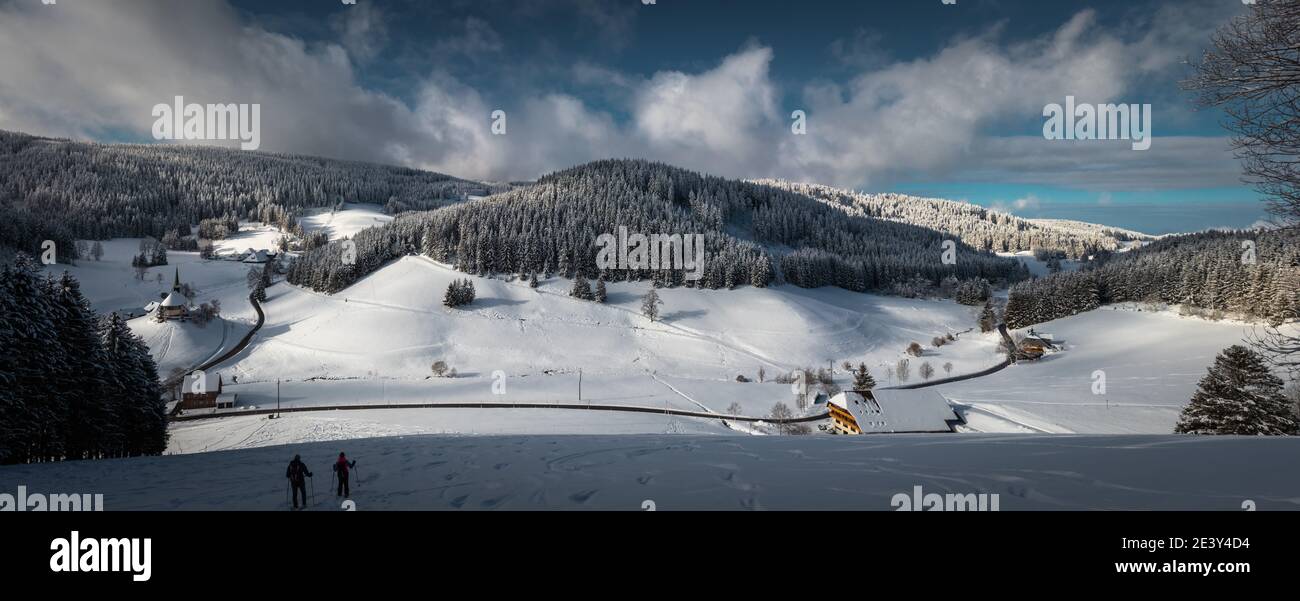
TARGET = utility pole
x,y
580,386
277,397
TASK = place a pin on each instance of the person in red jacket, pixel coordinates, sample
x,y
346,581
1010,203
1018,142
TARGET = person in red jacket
x,y
341,467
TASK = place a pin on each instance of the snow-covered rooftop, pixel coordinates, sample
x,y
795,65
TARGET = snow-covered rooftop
x,y
211,382
890,410
173,300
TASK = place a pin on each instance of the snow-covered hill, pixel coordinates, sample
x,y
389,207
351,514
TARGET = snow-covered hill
x,y
978,226
374,342
1150,362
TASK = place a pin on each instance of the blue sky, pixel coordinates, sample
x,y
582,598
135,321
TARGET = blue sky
x,y
909,96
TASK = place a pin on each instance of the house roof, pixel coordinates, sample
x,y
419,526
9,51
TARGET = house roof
x,y
211,382
173,300
893,410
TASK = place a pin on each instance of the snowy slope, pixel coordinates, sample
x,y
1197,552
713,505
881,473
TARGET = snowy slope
x,y
251,235
375,341
110,285
706,472
176,345
1151,362
344,223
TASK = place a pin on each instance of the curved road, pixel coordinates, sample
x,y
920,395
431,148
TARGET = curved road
x,y
577,406
243,344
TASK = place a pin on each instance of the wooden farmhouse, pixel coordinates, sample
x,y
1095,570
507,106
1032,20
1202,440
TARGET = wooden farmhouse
x,y
884,411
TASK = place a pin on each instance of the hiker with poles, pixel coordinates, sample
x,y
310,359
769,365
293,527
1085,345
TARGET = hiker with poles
x,y
341,469
297,473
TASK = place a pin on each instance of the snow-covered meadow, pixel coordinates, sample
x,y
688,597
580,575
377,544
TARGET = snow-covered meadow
x,y
1121,371
685,472
374,343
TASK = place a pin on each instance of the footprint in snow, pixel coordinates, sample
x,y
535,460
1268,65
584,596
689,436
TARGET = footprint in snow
x,y
490,503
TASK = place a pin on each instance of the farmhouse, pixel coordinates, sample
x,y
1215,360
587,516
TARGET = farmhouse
x,y
257,256
1035,344
891,411
202,390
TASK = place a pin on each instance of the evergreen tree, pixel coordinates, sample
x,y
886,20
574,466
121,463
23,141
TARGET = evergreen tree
x,y
33,361
133,393
1238,395
988,317
600,289
581,289
78,334
862,378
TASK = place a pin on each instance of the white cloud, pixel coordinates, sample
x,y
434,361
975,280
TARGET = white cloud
x,y
66,71
363,30
1024,203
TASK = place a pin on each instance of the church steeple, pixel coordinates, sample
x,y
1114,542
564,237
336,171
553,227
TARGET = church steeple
x,y
176,283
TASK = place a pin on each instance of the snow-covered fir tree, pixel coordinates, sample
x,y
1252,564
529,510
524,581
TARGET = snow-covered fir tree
x,y
862,378
988,320
459,292
581,289
1238,395
72,386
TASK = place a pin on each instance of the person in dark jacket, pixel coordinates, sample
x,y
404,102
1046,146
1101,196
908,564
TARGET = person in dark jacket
x,y
341,466
297,475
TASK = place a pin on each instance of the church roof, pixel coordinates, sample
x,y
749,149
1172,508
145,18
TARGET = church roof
x,y
173,300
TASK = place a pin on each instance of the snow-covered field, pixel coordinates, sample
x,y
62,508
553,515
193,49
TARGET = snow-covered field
x,y
346,222
1150,361
251,235
684,472
184,346
374,343
1036,267
110,285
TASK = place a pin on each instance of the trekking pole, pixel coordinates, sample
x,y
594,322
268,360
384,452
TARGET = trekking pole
x,y
313,488
332,481
286,491
354,468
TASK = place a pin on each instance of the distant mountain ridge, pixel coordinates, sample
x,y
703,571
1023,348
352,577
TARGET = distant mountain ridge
x,y
61,190
980,227
754,234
